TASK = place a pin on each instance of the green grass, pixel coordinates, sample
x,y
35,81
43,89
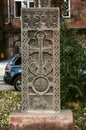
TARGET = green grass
x,y
11,101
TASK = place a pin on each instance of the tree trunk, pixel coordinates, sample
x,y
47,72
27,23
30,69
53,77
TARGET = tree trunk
x,y
49,3
42,3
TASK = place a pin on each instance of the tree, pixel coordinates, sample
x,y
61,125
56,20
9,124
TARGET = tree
x,y
55,3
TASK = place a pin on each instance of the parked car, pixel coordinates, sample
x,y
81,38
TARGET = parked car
x,y
13,72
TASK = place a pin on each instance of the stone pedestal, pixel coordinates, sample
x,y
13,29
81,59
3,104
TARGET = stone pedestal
x,y
48,120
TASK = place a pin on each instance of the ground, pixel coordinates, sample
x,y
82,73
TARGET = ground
x,y
11,100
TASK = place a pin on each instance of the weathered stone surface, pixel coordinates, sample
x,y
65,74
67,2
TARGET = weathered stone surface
x,y
41,121
40,59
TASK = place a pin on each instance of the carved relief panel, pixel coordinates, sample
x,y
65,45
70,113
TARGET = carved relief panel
x,y
40,59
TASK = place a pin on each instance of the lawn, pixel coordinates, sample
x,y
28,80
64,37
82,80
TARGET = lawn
x,y
11,100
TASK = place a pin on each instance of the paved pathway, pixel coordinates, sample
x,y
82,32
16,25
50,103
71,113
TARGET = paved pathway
x,y
5,87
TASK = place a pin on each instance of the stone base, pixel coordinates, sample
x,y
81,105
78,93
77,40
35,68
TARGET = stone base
x,y
41,120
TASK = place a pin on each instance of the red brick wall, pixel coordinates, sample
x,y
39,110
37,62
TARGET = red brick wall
x,y
15,22
4,11
78,13
77,20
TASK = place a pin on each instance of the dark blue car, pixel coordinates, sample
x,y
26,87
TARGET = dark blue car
x,y
13,72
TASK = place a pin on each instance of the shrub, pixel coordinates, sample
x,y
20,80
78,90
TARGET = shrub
x,y
73,59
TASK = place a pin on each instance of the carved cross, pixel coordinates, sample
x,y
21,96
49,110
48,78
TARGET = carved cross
x,y
41,38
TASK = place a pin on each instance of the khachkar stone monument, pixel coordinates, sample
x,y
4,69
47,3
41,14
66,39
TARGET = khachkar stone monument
x,y
40,34
40,59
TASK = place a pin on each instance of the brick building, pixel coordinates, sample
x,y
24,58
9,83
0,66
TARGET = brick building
x,y
10,21
78,13
11,26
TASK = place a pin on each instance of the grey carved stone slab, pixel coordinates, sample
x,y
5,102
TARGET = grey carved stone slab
x,y
40,59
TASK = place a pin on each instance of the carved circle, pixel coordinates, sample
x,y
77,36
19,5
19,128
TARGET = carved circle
x,y
40,85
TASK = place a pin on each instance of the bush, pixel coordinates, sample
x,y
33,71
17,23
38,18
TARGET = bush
x,y
73,59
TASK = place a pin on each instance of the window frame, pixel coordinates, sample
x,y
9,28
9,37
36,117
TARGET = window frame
x,y
69,14
28,3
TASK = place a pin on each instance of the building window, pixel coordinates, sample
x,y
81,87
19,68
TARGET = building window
x,y
17,8
31,4
21,3
67,8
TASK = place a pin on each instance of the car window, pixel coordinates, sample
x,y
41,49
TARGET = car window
x,y
18,61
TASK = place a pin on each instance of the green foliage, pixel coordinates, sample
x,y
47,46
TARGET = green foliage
x,y
60,4
73,59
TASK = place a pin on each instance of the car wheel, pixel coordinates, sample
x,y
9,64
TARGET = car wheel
x,y
17,83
